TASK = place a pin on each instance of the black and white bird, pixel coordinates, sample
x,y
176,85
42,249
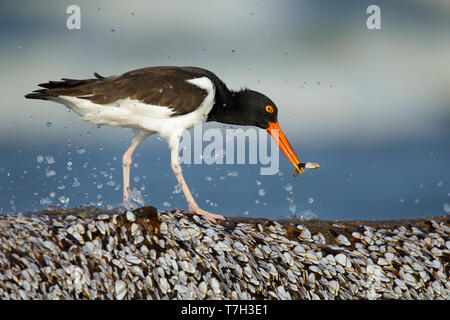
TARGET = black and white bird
x,y
166,100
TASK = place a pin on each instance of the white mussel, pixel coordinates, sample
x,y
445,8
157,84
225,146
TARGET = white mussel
x,y
311,165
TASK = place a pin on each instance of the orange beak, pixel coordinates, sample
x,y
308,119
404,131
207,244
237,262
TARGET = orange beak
x,y
284,145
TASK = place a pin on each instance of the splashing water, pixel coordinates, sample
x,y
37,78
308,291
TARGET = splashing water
x,y
446,208
308,215
232,173
177,188
64,200
45,201
292,205
76,183
50,159
50,173
134,198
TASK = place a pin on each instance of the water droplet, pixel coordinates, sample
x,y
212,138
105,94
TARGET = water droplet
x,y
64,200
446,207
52,194
50,173
233,52
136,179
177,188
261,192
258,182
246,213
232,173
166,204
308,215
39,159
50,159
257,201
81,150
135,195
48,124
310,200
440,183
113,31
208,178
292,208
45,201
161,90
289,187
100,185
76,183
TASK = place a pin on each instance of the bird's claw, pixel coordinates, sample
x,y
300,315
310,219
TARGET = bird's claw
x,y
210,216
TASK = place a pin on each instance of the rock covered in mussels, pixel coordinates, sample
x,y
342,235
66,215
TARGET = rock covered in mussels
x,y
150,254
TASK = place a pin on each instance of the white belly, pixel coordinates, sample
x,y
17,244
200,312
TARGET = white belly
x,y
137,115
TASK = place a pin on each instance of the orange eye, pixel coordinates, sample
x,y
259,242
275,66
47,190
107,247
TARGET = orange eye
x,y
269,109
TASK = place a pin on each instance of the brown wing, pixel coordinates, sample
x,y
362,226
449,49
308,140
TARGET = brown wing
x,y
163,86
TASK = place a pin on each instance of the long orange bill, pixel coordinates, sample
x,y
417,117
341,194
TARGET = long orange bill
x,y
284,145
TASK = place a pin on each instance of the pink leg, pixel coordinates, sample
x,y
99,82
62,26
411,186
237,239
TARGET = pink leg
x,y
127,160
192,205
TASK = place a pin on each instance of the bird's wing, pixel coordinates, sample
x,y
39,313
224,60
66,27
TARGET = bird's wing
x,y
157,86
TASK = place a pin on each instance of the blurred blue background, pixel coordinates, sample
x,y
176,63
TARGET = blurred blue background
x,y
371,106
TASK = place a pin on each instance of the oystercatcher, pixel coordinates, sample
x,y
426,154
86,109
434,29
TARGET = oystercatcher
x,y
166,100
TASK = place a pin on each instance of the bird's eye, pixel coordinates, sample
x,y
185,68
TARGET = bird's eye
x,y
269,109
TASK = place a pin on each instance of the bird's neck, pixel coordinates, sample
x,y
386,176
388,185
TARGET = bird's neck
x,y
227,108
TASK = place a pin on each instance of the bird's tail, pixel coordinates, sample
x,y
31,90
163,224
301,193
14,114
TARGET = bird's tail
x,y
48,92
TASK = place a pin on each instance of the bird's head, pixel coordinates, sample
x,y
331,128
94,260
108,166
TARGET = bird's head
x,y
258,110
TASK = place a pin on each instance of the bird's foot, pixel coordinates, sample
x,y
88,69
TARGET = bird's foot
x,y
210,216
